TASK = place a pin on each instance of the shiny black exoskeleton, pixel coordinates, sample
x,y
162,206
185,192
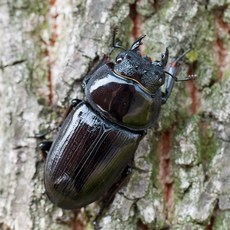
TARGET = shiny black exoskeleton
x,y
97,140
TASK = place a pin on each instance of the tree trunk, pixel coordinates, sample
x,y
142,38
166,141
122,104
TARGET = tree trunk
x,y
47,47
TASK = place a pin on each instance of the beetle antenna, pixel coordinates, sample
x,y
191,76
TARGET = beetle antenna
x,y
190,77
137,43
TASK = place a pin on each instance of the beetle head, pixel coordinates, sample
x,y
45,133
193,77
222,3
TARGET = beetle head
x,y
130,64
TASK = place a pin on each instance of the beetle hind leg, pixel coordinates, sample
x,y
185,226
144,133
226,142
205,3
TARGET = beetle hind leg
x,y
121,181
109,196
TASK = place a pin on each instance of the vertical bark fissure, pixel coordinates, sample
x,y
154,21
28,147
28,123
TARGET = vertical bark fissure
x,y
50,44
220,49
165,171
137,20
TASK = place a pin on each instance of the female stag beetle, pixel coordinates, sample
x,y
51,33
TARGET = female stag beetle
x,y
96,143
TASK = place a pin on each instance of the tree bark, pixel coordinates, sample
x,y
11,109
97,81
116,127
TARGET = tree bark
x,y
47,47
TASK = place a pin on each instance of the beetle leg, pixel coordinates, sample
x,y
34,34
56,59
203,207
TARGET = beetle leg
x,y
164,57
41,135
73,103
109,196
44,147
97,65
116,43
121,181
172,72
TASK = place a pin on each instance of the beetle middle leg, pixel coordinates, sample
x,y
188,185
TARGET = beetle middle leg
x,y
45,145
73,103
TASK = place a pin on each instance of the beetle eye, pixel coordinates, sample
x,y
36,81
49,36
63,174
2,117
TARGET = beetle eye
x,y
119,60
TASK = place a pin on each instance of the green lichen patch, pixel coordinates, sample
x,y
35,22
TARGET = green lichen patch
x,y
209,144
221,221
154,159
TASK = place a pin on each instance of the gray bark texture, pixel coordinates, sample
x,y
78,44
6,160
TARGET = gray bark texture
x,y
47,47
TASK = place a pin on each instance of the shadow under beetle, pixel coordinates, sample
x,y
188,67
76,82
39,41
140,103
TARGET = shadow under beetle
x,y
97,140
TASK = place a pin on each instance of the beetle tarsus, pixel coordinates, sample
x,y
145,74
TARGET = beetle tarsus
x,y
188,78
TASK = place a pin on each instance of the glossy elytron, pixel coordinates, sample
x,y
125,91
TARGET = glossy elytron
x,y
96,143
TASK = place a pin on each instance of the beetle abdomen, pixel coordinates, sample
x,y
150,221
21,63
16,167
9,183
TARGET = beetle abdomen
x,y
87,158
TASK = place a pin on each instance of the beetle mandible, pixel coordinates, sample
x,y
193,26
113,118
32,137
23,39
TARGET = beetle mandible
x,y
96,142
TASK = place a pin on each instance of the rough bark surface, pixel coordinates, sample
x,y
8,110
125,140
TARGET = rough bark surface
x,y
46,49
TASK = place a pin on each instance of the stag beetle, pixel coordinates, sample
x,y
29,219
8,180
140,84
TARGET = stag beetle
x,y
96,142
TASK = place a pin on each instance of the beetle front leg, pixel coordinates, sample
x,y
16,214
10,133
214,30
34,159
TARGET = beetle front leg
x,y
170,82
172,72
